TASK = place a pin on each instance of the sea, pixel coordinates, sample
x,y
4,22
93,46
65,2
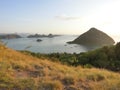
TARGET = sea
x,y
48,45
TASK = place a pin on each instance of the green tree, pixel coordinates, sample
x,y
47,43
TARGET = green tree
x,y
117,50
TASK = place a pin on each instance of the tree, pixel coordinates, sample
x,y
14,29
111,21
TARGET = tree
x,y
117,50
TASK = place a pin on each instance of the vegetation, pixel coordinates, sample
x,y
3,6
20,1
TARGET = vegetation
x,y
106,57
24,71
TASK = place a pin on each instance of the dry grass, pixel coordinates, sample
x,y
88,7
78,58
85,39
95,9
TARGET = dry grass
x,y
24,72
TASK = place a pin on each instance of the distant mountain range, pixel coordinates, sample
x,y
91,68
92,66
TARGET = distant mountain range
x,y
9,36
40,36
12,36
93,37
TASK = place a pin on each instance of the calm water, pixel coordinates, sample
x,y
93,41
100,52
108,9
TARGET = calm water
x,y
47,45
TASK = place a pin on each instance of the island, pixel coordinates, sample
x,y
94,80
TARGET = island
x,y
9,36
93,37
42,35
38,40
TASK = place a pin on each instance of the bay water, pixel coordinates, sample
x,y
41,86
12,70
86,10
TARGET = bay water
x,y
47,45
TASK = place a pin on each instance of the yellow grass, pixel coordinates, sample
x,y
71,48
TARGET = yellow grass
x,y
19,71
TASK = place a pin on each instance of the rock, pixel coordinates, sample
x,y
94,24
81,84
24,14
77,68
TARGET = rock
x,y
38,40
93,37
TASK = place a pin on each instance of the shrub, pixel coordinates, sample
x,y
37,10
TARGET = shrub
x,y
117,50
88,66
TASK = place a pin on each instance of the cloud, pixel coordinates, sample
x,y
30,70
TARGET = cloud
x,y
65,17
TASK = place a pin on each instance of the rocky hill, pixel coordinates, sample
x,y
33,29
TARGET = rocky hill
x,y
94,37
21,71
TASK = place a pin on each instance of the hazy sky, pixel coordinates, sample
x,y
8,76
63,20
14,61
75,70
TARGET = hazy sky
x,y
59,16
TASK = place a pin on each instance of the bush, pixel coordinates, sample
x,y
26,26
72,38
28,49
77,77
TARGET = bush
x,y
88,66
117,50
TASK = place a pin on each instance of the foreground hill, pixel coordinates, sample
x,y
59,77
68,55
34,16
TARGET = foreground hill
x,y
20,71
94,37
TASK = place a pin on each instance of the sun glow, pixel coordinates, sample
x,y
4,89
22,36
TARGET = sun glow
x,y
106,18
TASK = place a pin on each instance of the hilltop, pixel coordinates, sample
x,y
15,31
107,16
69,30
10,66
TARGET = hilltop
x,y
94,37
21,71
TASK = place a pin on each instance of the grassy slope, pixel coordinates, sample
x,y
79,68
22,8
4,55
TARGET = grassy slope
x,y
24,72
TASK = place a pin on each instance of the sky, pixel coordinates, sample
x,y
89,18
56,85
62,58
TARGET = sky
x,y
59,16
